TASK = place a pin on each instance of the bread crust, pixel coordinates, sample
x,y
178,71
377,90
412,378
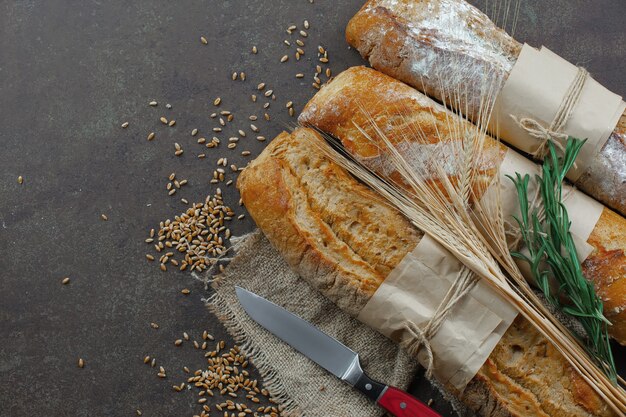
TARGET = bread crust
x,y
522,377
419,41
400,108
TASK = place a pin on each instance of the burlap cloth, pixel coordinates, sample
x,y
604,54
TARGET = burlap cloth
x,y
299,385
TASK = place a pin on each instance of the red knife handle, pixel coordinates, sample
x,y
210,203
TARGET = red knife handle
x,y
395,401
401,404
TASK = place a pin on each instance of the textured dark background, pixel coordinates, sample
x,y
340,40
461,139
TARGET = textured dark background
x,y
70,73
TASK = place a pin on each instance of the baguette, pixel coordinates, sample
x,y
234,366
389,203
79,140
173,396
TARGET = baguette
x,y
420,41
342,239
399,109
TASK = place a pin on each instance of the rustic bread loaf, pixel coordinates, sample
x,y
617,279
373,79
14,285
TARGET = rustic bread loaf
x,y
439,46
401,110
342,239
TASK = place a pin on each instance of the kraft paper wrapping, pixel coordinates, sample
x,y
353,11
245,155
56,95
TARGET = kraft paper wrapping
x,y
414,289
584,212
535,88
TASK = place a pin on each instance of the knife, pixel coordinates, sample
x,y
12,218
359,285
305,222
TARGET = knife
x,y
330,354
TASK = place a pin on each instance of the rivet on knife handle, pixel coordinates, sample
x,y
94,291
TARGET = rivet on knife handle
x,y
401,404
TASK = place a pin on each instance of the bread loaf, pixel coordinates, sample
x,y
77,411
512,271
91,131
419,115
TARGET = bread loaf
x,y
438,46
342,239
398,109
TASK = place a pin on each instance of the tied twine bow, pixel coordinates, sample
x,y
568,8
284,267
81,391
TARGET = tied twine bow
x,y
420,337
554,131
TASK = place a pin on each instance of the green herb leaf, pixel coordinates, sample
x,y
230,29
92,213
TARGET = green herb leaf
x,y
552,253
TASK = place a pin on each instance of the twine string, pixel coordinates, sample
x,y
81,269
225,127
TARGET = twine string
x,y
419,337
563,114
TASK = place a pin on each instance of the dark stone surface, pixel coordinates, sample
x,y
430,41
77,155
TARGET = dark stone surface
x,y
70,73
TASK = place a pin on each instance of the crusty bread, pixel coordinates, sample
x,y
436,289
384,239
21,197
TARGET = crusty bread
x,y
302,202
399,108
342,239
439,46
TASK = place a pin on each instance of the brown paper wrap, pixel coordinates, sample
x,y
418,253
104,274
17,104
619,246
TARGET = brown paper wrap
x,y
535,89
412,293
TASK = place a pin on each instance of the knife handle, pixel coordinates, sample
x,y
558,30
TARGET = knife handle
x,y
401,404
395,401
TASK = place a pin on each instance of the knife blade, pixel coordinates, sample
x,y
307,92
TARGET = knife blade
x,y
330,354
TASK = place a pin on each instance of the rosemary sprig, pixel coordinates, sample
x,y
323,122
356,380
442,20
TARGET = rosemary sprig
x,y
552,254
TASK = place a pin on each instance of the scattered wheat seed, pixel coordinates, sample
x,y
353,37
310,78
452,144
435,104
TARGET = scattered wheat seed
x,y
149,257
185,291
299,42
171,123
321,49
81,363
300,51
328,72
291,111
217,101
324,59
194,132
151,136
242,75
260,87
241,216
178,342
284,58
303,34
234,76
253,98
254,50
306,24
65,281
203,40
286,42
125,125
153,103
104,217
20,180
266,116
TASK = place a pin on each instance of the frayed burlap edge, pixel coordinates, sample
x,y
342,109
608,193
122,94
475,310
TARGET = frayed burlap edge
x,y
218,306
